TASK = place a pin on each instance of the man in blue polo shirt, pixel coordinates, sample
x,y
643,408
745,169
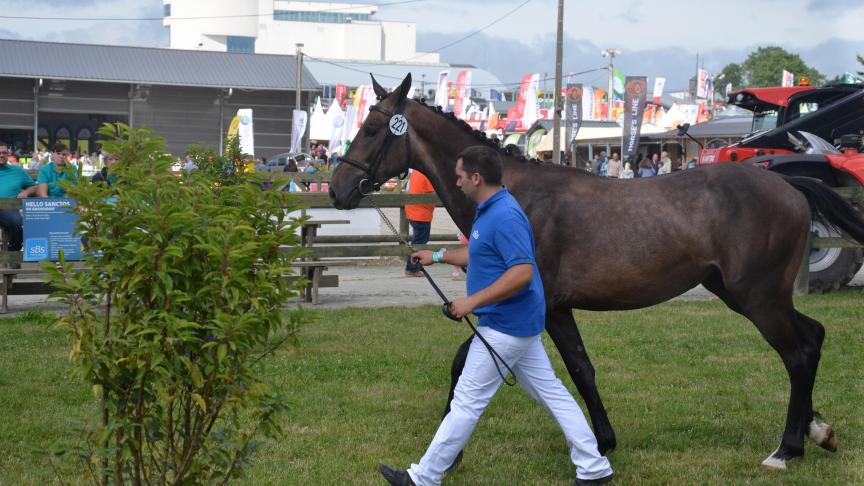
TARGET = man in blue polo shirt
x,y
506,293
14,182
51,174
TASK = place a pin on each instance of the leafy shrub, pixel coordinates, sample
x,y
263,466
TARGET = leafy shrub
x,y
185,296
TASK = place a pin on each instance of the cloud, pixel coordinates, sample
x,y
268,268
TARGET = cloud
x,y
829,5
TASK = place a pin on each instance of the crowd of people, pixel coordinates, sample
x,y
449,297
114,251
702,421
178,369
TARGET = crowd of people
x,y
653,165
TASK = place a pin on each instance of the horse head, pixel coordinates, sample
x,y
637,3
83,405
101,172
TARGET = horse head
x,y
378,152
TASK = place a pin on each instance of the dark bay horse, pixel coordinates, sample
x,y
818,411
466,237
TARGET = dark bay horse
x,y
608,244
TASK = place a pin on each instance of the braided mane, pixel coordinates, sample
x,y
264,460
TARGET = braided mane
x,y
479,135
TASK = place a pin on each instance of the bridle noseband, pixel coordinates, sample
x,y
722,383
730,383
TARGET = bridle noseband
x,y
398,126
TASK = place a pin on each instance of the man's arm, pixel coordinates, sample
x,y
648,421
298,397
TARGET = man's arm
x,y
507,285
42,190
27,192
458,256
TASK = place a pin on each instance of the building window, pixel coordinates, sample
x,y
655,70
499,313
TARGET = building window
x,y
241,44
166,10
320,17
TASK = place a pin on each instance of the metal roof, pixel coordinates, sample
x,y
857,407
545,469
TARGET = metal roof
x,y
355,73
120,64
733,126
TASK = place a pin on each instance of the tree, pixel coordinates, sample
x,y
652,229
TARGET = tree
x,y
861,61
764,68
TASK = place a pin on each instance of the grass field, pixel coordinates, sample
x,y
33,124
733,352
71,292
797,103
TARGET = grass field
x,y
695,394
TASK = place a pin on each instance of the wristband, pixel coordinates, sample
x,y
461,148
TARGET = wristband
x,y
438,256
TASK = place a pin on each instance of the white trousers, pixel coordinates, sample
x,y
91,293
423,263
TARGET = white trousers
x,y
476,387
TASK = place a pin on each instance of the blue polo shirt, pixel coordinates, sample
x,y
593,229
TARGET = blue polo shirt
x,y
501,237
50,175
13,179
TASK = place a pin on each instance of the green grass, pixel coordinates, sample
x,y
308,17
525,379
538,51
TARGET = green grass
x,y
695,394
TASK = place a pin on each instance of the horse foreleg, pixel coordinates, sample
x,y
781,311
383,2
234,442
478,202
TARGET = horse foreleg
x,y
455,373
562,329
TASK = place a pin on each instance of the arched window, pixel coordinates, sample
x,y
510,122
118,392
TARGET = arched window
x,y
44,141
62,135
716,143
83,136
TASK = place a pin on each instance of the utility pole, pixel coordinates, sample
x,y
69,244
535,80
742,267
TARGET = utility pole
x,y
298,81
611,54
556,96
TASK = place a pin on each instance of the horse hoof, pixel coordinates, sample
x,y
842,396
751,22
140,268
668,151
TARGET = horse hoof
x,y
822,434
774,464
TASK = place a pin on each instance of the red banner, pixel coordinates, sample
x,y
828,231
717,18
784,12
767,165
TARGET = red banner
x,y
341,91
523,93
462,81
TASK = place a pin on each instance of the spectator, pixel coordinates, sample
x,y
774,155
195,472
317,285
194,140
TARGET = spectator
x,y
595,164
604,166
626,172
261,164
52,173
35,163
102,175
613,166
692,164
310,168
291,166
189,165
14,182
645,168
655,163
419,218
665,161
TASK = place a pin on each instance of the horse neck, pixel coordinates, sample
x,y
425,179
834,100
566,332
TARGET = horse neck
x,y
434,148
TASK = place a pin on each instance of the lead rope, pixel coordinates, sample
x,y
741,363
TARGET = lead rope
x,y
446,308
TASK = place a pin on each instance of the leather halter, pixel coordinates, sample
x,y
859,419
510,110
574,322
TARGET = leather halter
x,y
368,184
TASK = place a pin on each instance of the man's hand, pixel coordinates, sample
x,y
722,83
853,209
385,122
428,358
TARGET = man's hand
x,y
462,307
23,194
424,257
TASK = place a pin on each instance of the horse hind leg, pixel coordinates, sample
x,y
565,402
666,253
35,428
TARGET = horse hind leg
x,y
798,340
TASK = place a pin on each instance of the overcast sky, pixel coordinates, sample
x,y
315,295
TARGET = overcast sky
x,y
657,37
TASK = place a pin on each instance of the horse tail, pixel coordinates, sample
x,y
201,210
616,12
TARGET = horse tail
x,y
830,205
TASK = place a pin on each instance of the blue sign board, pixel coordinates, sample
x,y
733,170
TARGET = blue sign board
x,y
49,226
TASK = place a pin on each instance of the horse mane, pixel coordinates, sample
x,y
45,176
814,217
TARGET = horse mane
x,y
481,137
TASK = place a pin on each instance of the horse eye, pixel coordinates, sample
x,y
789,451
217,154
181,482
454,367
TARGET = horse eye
x,y
370,130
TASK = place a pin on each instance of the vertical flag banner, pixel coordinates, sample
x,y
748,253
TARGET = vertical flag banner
x,y
588,103
463,89
599,96
531,107
298,129
520,101
636,90
341,92
728,89
788,79
618,84
442,95
246,131
702,83
659,84
573,107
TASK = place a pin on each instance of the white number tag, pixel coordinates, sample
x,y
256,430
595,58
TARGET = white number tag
x,y
398,125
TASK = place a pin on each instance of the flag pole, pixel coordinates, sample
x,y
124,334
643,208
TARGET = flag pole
x,y
556,116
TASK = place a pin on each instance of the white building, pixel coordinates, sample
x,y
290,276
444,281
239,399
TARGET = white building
x,y
327,30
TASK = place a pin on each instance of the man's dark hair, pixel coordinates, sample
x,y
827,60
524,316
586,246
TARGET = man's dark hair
x,y
60,147
483,160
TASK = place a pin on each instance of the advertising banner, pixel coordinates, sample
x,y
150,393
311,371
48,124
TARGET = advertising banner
x,y
573,107
246,132
618,85
49,226
520,100
463,88
788,79
636,90
442,95
531,107
298,129
659,84
341,92
588,103
702,83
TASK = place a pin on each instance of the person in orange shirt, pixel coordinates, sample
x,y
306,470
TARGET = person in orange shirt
x,y
419,217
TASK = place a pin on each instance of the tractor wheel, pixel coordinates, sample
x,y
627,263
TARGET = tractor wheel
x,y
832,268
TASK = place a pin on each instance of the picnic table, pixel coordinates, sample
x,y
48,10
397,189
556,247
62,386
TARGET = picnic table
x,y
313,268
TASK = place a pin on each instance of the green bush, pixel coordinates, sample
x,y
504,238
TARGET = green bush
x,y
185,296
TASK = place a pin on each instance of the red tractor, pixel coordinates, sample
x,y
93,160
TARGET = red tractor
x,y
806,131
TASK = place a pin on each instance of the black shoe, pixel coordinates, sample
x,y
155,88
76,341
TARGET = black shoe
x,y
396,477
603,480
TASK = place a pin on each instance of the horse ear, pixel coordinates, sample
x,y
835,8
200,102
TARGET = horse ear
x,y
405,87
380,92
